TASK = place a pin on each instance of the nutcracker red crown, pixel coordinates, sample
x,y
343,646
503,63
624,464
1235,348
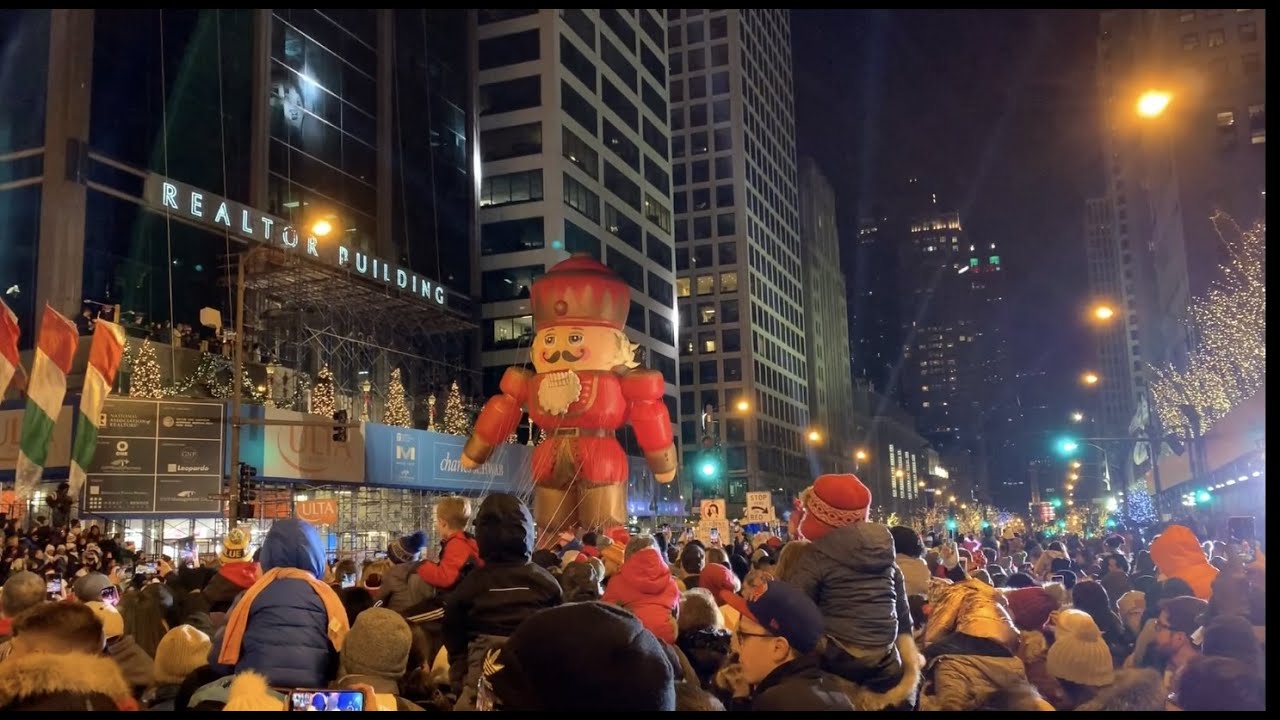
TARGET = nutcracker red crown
x,y
580,291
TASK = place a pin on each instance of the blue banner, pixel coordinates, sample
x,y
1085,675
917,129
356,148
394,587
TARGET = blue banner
x,y
399,457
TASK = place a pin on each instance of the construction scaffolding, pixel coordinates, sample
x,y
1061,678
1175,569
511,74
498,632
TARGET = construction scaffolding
x,y
301,316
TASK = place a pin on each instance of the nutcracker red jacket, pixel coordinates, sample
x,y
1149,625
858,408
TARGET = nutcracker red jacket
x,y
644,586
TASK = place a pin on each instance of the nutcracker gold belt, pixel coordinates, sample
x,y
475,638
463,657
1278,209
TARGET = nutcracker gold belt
x,y
580,432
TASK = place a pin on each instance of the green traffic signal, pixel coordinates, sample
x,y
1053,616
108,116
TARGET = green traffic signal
x,y
708,469
951,524
1067,446
1056,502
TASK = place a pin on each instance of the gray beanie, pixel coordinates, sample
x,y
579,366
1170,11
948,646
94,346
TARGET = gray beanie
x,y
89,587
377,645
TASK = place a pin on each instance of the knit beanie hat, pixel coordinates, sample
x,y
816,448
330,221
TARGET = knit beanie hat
x,y
719,581
112,621
181,651
377,645
1030,607
235,546
622,668
405,549
613,557
1079,654
833,501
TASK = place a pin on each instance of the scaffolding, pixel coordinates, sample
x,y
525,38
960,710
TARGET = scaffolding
x,y
302,316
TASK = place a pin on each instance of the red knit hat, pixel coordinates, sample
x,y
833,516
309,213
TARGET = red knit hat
x,y
619,535
832,502
1030,607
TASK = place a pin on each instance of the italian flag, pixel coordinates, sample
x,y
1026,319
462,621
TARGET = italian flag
x,y
8,346
99,376
55,348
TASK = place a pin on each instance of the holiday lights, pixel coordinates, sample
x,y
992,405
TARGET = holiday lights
x,y
396,412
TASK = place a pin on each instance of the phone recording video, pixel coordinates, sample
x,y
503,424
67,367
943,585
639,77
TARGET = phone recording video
x,y
111,595
53,587
715,535
326,700
147,569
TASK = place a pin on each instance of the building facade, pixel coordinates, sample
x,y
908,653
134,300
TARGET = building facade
x,y
954,358
826,323
574,151
738,254
1168,172
871,277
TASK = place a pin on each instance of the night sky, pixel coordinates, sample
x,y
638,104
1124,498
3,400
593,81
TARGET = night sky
x,y
996,111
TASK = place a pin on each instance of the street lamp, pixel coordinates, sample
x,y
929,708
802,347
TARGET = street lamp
x,y
859,456
815,437
1077,417
1089,378
1103,312
1153,103
742,405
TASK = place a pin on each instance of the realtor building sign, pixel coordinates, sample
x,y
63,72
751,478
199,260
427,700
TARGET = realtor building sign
x,y
210,210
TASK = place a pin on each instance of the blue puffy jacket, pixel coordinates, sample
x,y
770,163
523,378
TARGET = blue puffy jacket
x,y
287,638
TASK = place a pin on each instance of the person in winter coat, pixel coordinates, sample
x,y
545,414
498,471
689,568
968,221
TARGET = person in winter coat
x,y
779,642
376,654
134,662
851,574
970,615
458,549
182,651
1178,554
909,554
644,587
289,625
402,590
236,572
1134,690
57,663
492,600
722,584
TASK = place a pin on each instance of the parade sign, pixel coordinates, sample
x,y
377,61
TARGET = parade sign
x,y
205,208
157,456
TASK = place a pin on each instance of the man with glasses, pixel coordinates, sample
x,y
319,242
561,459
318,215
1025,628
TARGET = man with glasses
x,y
1179,620
778,642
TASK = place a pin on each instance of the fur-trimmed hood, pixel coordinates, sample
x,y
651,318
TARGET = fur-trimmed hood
x,y
41,675
1134,690
905,693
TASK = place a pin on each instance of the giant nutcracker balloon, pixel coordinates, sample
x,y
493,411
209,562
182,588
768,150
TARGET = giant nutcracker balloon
x,y
586,385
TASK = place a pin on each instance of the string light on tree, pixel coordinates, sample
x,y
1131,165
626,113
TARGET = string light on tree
x,y
144,382
1228,364
396,412
456,420
322,393
1139,508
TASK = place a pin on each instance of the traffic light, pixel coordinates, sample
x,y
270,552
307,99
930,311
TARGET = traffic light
x,y
1202,496
1067,446
985,524
340,431
244,499
1056,502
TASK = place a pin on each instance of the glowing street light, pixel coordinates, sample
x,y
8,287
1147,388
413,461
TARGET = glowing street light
x,y
1075,465
860,455
321,228
1153,103
1089,378
815,436
743,406
1103,312
1077,417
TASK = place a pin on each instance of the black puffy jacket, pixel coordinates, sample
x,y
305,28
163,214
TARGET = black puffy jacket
x,y
496,598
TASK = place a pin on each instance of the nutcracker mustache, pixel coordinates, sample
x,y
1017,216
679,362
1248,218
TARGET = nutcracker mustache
x,y
555,356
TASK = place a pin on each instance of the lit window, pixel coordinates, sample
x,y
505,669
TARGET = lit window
x,y
1226,119
707,314
728,282
1216,38
682,287
1187,16
995,260
706,284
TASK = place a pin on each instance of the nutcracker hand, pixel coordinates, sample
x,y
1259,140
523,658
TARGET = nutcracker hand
x,y
666,477
469,464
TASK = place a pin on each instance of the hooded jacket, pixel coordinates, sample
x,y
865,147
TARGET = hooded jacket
x,y
287,637
852,576
74,681
971,607
495,598
798,686
1178,554
134,662
231,580
644,587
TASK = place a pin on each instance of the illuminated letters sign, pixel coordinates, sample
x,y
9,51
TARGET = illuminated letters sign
x,y
253,225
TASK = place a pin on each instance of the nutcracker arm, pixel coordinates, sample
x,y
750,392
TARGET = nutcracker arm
x,y
643,390
500,416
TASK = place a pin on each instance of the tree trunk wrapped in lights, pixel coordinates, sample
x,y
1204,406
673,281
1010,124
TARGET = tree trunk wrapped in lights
x,y
396,411
1228,362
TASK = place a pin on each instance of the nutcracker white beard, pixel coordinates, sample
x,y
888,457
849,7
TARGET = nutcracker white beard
x,y
558,391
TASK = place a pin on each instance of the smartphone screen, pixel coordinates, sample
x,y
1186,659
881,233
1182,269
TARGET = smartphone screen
x,y
715,535
146,569
53,587
326,700
111,595
1059,578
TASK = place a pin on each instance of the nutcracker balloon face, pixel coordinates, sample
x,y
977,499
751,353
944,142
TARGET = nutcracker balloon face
x,y
581,348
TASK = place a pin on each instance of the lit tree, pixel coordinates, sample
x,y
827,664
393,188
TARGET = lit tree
x,y
322,393
1139,509
1228,363
456,420
396,412
144,382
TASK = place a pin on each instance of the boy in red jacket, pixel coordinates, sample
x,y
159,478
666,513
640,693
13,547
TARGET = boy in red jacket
x,y
453,514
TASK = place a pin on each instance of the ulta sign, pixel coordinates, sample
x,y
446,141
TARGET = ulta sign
x,y
213,211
